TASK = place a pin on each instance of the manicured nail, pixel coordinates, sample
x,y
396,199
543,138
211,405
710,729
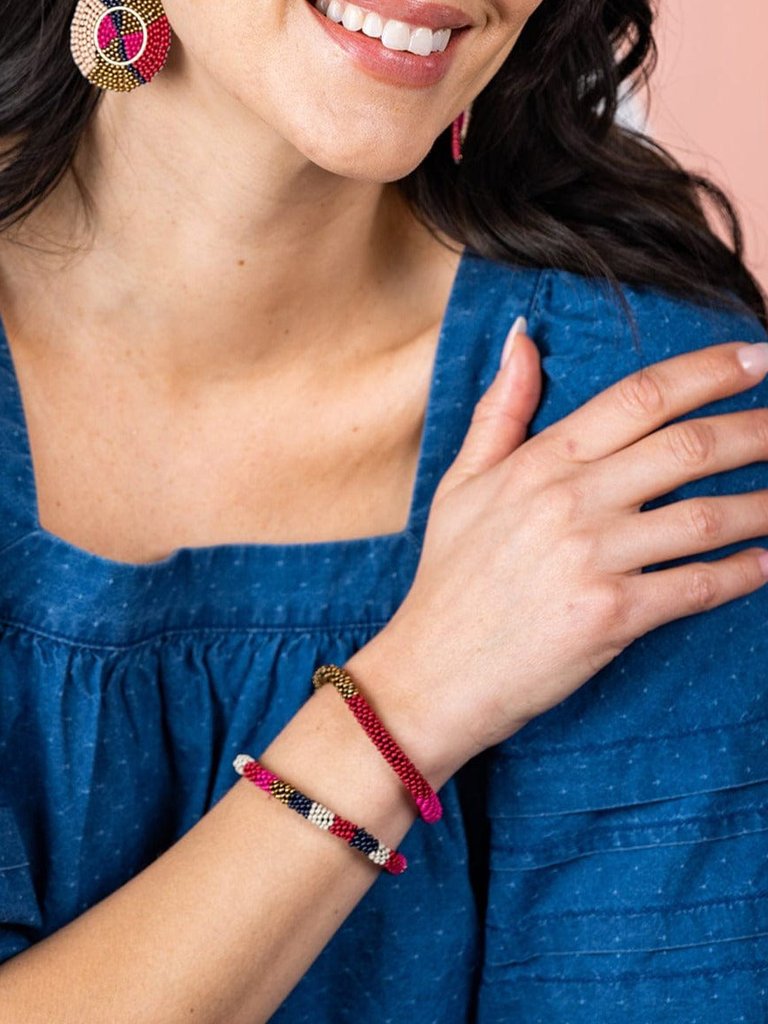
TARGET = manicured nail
x,y
520,326
754,358
763,563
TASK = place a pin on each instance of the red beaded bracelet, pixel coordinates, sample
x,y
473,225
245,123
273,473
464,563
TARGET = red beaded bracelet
x,y
320,815
426,799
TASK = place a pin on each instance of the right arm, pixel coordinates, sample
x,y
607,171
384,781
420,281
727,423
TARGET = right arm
x,y
524,590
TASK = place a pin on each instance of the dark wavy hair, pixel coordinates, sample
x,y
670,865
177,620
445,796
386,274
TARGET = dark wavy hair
x,y
549,177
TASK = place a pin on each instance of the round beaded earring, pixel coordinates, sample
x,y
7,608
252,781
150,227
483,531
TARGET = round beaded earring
x,y
119,46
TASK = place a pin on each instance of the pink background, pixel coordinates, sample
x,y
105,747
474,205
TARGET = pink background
x,y
709,103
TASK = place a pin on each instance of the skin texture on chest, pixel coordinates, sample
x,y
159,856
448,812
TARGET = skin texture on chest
x,y
130,466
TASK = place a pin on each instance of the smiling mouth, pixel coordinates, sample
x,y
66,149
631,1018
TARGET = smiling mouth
x,y
391,33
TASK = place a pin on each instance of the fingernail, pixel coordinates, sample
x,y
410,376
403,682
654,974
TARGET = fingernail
x,y
519,326
762,561
754,358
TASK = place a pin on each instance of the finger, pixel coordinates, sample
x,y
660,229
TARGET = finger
x,y
684,451
663,595
501,417
520,384
650,397
685,528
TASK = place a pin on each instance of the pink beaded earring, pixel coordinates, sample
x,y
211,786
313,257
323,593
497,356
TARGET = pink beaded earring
x,y
119,46
459,130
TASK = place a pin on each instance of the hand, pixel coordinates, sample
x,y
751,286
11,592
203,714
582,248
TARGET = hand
x,y
530,579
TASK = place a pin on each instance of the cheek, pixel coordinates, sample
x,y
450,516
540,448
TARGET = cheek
x,y
231,39
252,50
510,16
506,19
517,11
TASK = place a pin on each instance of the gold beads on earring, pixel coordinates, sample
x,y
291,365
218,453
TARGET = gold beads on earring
x,y
119,46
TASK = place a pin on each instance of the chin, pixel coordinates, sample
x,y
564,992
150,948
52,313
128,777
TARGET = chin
x,y
383,159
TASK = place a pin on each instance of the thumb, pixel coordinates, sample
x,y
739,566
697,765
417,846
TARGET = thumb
x,y
501,417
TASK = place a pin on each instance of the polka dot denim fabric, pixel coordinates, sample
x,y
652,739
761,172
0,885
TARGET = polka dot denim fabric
x,y
607,863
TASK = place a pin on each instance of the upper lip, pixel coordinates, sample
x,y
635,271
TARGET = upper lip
x,y
415,12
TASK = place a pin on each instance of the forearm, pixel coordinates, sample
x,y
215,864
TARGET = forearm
x,y
223,925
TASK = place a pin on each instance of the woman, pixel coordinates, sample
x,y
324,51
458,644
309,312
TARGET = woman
x,y
254,422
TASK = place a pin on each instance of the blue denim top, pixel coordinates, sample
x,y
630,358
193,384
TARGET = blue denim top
x,y
609,862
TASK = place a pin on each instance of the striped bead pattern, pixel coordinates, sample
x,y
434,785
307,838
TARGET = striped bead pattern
x,y
119,45
320,815
427,801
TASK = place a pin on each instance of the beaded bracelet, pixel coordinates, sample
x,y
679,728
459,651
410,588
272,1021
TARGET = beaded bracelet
x,y
320,815
426,799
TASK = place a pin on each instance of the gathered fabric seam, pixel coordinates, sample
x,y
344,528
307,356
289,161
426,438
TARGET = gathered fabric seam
x,y
192,632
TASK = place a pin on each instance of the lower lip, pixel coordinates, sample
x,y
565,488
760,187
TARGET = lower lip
x,y
397,67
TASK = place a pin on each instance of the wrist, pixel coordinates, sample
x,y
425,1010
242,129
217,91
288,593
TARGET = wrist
x,y
326,755
407,709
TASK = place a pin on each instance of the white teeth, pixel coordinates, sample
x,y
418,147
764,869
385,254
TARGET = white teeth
x,y
335,10
421,41
373,25
394,35
353,18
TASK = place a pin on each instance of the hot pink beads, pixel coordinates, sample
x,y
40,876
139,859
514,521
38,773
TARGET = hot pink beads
x,y
426,799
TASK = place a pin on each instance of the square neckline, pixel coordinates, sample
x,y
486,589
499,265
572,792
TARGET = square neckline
x,y
281,551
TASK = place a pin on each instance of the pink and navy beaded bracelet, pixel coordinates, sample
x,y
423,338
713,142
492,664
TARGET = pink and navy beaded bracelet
x,y
426,799
320,815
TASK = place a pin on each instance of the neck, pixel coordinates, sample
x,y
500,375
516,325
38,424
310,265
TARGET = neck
x,y
222,242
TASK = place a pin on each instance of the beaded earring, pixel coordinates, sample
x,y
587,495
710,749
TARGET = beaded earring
x,y
459,130
119,46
